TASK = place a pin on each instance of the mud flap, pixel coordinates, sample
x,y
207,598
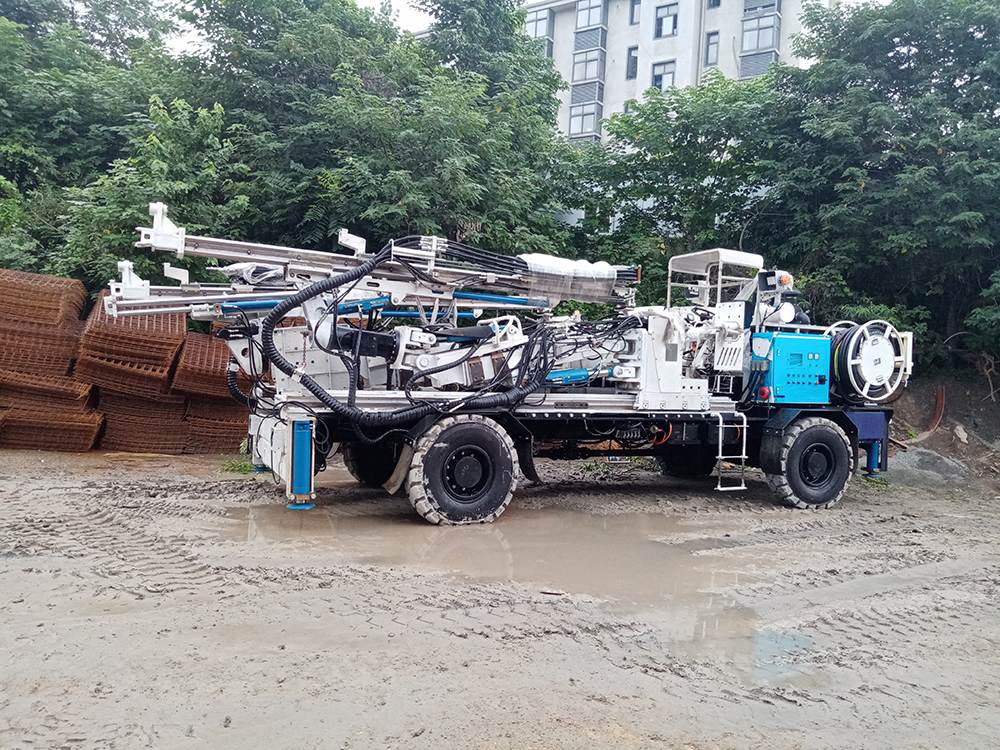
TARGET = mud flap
x,y
770,443
526,459
406,455
402,467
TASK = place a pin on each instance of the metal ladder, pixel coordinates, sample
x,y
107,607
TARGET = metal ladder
x,y
719,458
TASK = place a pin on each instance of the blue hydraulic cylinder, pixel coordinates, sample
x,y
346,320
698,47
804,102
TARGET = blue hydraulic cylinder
x,y
567,377
874,461
416,314
228,308
300,473
502,299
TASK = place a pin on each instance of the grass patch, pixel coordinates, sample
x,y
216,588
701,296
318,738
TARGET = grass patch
x,y
239,465
876,481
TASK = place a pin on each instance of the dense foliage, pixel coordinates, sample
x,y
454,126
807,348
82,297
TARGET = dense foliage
x,y
887,168
874,174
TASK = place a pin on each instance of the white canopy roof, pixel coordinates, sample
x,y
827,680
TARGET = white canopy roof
x,y
702,261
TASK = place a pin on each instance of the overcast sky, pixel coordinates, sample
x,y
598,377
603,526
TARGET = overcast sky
x,y
408,20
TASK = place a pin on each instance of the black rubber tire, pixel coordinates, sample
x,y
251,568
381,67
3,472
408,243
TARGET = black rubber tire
x,y
688,461
816,464
464,471
371,465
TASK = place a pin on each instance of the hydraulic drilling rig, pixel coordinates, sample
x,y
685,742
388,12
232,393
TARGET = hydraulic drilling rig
x,y
441,368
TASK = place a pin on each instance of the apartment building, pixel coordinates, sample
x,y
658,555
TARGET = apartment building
x,y
610,51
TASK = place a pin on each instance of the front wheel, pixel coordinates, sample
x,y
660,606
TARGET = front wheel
x,y
464,471
816,464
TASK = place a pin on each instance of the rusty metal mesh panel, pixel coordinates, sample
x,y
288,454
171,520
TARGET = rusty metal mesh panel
x,y
147,412
143,425
32,297
142,339
127,377
39,349
218,409
63,339
213,436
202,366
49,430
20,390
26,361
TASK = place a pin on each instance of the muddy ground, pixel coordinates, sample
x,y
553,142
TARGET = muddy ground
x,y
156,602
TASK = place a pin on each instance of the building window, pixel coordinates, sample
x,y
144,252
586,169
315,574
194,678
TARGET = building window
x,y
756,63
666,21
540,27
760,33
633,14
584,119
588,65
714,3
632,64
538,24
589,13
663,75
712,49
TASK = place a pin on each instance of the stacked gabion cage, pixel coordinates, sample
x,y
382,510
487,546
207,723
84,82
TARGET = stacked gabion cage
x,y
138,383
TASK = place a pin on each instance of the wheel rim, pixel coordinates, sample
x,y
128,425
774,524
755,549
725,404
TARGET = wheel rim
x,y
468,473
817,465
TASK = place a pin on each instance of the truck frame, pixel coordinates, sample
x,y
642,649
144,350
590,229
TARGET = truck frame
x,y
441,369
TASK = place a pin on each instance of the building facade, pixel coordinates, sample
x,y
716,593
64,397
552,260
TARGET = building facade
x,y
610,51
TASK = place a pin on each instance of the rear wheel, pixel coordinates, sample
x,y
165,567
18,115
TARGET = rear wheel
x,y
816,464
371,465
464,470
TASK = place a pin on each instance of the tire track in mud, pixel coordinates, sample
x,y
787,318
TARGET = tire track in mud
x,y
924,647
429,604
110,545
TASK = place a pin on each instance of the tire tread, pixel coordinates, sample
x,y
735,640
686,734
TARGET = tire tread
x,y
416,488
779,482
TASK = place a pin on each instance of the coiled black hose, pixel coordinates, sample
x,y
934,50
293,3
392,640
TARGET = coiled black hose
x,y
841,366
373,419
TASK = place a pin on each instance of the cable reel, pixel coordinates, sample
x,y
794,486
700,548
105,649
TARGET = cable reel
x,y
869,361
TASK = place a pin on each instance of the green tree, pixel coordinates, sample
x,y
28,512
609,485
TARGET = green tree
x,y
18,249
984,322
116,27
681,172
348,124
887,154
178,155
438,162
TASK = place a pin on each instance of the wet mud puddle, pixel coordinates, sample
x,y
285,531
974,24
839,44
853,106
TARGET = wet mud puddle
x,y
657,569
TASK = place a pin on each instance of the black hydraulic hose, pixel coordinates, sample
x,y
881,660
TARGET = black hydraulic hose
x,y
234,389
351,413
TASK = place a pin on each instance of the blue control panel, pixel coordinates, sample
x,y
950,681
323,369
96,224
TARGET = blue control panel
x,y
797,369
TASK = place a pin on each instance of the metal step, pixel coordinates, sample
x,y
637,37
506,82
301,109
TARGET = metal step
x,y
741,459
